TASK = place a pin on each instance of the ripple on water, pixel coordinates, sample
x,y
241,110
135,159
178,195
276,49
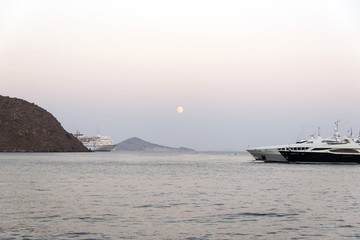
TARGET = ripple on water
x,y
82,235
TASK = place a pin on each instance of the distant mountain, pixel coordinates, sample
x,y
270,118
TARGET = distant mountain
x,y
138,145
25,127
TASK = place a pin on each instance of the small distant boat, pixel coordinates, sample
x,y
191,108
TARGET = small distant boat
x,y
96,143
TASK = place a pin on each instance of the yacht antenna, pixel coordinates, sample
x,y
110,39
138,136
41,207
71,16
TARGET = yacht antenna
x,y
337,129
97,131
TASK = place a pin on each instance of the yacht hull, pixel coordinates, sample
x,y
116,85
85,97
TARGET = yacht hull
x,y
320,157
267,155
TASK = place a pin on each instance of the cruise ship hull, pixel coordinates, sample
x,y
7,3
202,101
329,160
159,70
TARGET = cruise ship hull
x,y
104,148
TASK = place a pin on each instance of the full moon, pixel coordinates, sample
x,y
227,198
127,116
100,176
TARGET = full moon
x,y
180,109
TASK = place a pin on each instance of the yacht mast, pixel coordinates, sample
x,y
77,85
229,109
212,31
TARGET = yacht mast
x,y
336,134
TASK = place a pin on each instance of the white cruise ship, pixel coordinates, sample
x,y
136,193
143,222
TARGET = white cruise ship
x,y
96,143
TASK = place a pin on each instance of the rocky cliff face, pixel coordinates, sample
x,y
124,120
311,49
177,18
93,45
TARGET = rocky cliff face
x,y
25,127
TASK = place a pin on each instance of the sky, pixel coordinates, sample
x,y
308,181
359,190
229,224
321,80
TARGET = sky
x,y
247,73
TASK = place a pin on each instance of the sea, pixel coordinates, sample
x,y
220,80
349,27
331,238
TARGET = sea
x,y
190,196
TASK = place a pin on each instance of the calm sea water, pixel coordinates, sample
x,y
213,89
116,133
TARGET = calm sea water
x,y
174,196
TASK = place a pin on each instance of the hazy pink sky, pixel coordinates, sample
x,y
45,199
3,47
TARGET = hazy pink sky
x,y
246,72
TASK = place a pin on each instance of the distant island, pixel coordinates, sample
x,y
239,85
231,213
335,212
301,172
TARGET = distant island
x,y
138,145
26,127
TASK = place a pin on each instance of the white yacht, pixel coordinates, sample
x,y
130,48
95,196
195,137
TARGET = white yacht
x,y
272,153
345,150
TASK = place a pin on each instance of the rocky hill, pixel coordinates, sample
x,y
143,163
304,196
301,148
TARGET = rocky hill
x,y
139,145
25,127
